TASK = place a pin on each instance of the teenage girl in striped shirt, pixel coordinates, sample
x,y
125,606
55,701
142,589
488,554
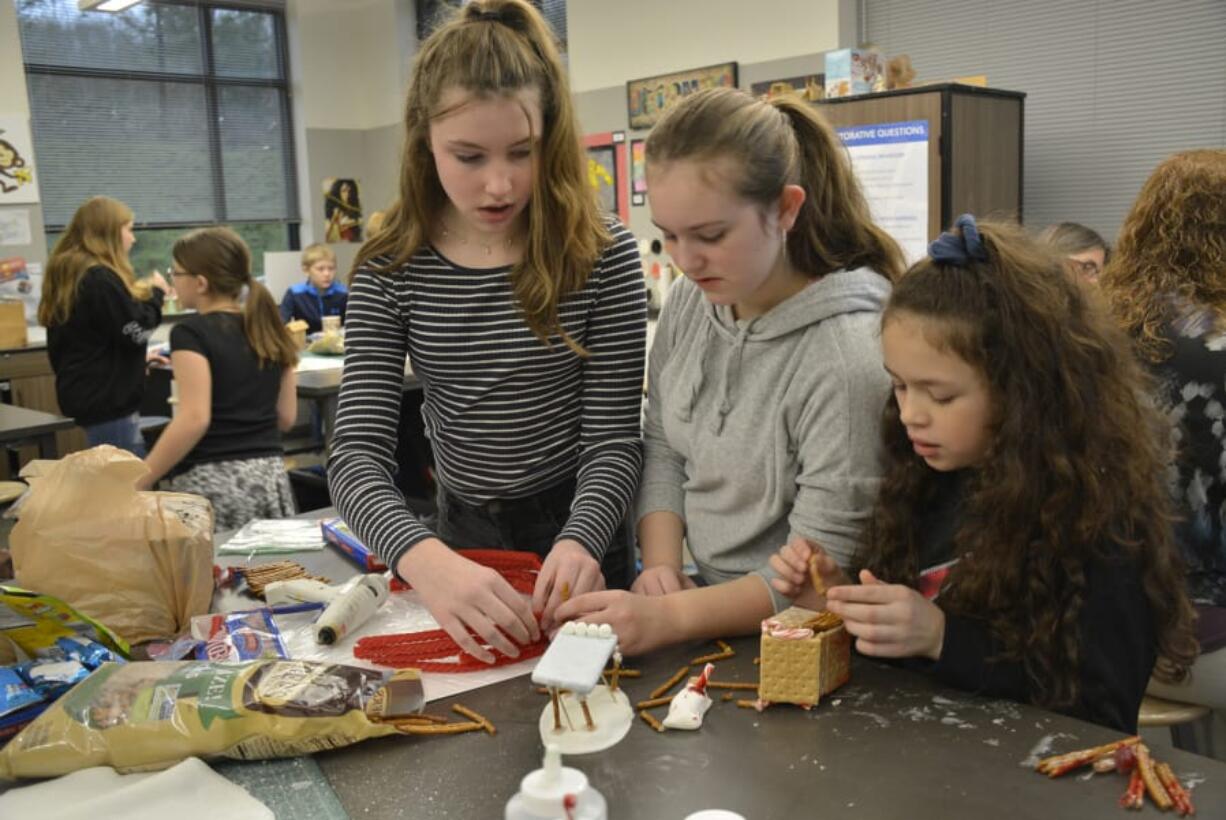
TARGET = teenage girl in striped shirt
x,y
522,310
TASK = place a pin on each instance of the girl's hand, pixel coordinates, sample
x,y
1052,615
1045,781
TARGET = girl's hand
x,y
158,281
889,620
641,622
464,596
568,566
661,580
792,564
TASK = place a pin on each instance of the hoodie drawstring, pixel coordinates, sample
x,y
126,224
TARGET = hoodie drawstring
x,y
732,378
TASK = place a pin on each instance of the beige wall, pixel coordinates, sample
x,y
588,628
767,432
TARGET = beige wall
x,y
611,43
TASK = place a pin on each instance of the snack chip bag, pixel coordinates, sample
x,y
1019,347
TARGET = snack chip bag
x,y
149,715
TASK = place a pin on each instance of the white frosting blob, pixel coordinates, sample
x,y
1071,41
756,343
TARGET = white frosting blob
x,y
687,709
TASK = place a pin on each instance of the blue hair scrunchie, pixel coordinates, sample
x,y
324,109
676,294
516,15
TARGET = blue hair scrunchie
x,y
959,249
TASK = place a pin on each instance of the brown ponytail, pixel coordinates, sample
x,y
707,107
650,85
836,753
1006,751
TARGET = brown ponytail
x,y
221,256
784,142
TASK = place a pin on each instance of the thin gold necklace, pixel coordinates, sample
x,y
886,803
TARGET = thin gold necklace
x,y
487,247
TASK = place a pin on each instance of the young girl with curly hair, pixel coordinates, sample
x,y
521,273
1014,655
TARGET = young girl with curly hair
x,y
1167,287
1021,544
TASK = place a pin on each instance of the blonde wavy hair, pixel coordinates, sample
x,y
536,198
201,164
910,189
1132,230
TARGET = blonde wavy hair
x,y
489,48
94,237
1172,250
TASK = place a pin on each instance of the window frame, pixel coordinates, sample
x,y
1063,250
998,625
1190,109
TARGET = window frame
x,y
213,83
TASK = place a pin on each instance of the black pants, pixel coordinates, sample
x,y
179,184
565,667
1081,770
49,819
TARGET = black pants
x,y
530,524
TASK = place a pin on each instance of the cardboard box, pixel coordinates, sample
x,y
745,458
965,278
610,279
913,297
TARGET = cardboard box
x,y
804,655
337,533
852,71
12,324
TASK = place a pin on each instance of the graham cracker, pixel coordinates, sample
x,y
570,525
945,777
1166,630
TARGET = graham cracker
x,y
801,670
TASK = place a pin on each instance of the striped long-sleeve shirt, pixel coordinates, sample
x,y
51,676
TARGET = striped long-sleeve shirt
x,y
507,415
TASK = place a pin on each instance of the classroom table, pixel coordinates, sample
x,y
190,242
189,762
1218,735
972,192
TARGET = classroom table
x,y
19,426
891,743
319,382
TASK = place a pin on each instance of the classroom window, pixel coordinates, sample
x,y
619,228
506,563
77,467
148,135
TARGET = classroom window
x,y
178,108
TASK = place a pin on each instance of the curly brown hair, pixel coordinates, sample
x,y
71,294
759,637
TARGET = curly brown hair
x,y
1172,249
1074,472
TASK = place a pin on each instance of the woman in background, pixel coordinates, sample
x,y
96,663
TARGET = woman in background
x,y
99,320
1085,253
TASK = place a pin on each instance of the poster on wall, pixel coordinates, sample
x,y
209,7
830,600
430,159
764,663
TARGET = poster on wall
x,y
342,210
891,161
17,183
606,171
647,99
638,172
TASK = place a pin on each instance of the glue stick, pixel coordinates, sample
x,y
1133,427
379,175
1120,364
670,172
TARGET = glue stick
x,y
351,609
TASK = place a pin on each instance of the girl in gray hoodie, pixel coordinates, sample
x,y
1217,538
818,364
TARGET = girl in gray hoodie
x,y
765,384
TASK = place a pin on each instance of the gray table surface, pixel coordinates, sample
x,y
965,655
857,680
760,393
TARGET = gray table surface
x,y
890,743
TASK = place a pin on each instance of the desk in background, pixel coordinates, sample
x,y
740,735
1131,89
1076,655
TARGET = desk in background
x,y
889,744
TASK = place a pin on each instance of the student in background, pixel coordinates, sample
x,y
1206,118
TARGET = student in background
x,y
1021,545
234,368
522,311
320,295
99,320
1085,253
765,384
1167,286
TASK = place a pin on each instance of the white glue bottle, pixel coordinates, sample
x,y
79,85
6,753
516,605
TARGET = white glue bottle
x,y
556,792
351,609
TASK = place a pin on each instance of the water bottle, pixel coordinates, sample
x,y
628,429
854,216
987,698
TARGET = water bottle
x,y
549,793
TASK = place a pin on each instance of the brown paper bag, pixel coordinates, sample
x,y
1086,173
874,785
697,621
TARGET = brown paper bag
x,y
12,324
139,562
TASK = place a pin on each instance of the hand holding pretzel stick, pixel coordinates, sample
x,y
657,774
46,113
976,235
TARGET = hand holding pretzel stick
x,y
805,571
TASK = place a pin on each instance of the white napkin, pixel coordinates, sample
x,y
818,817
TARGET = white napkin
x,y
188,791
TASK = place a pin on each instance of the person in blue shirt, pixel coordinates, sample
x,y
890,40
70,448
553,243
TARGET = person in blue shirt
x,y
320,295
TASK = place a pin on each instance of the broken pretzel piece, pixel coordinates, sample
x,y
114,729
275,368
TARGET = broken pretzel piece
x,y
464,711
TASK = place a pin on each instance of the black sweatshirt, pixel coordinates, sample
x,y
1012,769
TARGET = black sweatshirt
x,y
1117,638
98,355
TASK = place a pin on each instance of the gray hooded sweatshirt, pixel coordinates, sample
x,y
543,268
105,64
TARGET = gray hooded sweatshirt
x,y
760,429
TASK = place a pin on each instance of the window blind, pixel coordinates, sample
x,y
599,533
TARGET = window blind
x,y
179,109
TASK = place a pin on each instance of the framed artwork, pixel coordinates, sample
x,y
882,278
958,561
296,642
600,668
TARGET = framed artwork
x,y
811,87
342,210
606,171
17,180
638,172
647,99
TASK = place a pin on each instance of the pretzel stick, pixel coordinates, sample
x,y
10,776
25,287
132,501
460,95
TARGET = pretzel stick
x,y
471,715
625,673
715,684
651,721
747,704
1157,792
1179,795
1057,765
439,728
714,656
727,696
422,718
1134,796
654,702
677,677
815,576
